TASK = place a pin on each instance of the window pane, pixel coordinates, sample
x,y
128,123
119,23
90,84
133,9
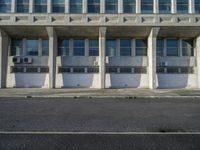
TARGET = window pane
x,y
93,6
146,6
22,6
187,48
40,6
182,6
164,6
63,47
16,47
5,6
79,47
45,47
172,47
75,6
32,47
125,47
93,48
58,6
111,46
197,6
129,6
141,47
111,6
160,47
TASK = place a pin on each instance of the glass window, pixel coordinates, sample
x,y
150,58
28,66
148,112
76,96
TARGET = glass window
x,y
16,47
5,6
63,47
187,47
129,6
160,47
40,6
111,6
22,6
165,6
111,48
58,6
93,6
146,6
79,47
182,6
45,47
76,6
93,48
141,47
172,47
125,70
125,47
197,6
32,47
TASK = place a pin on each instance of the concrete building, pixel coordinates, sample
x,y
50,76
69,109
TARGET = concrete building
x,y
100,43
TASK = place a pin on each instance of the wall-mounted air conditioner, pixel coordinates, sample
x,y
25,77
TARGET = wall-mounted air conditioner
x,y
16,60
27,60
164,63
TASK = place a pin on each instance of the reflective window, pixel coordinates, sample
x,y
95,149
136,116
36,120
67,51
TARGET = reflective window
x,y
165,6
45,47
93,48
187,47
172,47
160,47
182,6
58,6
111,47
16,47
146,6
63,47
141,47
125,47
79,47
32,47
40,6
129,6
93,6
5,6
76,6
22,6
111,6
197,6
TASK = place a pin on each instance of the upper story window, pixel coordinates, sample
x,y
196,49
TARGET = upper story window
x,y
93,47
45,47
182,6
79,47
125,47
58,6
140,47
146,6
76,6
32,47
164,6
40,6
197,6
5,6
16,47
93,6
111,6
22,6
187,47
172,47
63,47
129,6
160,47
111,47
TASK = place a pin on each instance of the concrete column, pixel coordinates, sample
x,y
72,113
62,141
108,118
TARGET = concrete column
x,y
102,6
13,6
152,56
84,3
49,7
102,56
52,55
138,6
191,7
173,7
155,7
120,6
4,44
86,47
66,6
31,6
198,59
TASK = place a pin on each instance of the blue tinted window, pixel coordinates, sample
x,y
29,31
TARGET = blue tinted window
x,y
63,47
93,47
22,6
160,47
5,6
164,6
111,47
32,47
182,6
79,47
141,47
58,6
40,6
111,6
76,6
129,6
16,47
45,47
93,6
197,6
146,6
187,47
172,47
125,47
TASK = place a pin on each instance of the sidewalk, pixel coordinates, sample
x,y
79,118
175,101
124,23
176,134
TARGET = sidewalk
x,y
97,93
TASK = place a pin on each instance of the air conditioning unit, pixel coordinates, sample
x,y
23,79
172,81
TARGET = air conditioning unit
x,y
28,60
16,60
164,63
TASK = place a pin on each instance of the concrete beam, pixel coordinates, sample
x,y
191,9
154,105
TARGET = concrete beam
x,y
152,56
102,56
52,56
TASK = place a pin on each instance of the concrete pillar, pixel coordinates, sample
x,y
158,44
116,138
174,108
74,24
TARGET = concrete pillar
x,y
13,6
155,6
152,56
4,44
66,6
173,7
84,3
49,6
31,6
138,6
120,6
52,55
191,7
102,56
102,6
198,59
